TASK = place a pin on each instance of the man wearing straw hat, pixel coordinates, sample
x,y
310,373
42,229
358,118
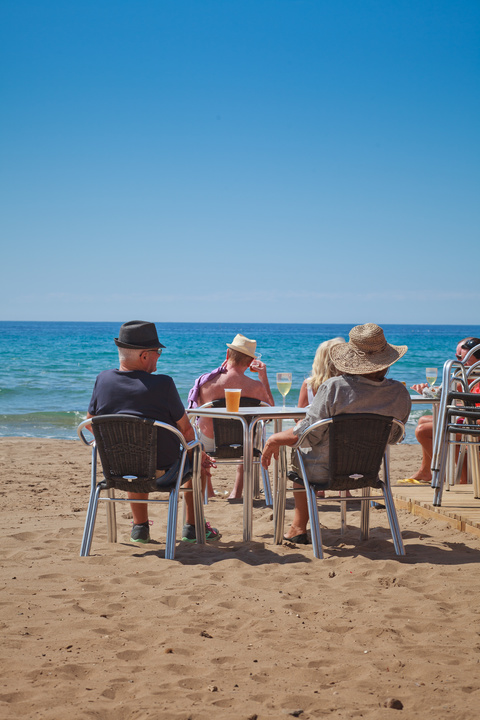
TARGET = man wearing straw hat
x,y
231,374
362,388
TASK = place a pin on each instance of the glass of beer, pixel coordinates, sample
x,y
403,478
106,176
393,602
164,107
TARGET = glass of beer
x,y
232,399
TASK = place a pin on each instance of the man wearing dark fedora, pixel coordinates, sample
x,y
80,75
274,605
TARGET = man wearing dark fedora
x,y
362,388
134,389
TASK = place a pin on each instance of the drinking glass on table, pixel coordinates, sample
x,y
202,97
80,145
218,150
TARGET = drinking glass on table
x,y
431,374
284,383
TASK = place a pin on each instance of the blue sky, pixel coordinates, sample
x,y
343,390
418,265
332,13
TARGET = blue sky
x,y
240,160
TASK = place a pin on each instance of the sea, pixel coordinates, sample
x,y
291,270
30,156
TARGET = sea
x,y
47,369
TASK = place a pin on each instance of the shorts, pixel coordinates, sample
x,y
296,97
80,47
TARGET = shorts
x,y
207,442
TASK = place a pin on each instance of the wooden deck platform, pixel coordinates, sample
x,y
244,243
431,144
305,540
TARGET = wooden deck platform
x,y
459,508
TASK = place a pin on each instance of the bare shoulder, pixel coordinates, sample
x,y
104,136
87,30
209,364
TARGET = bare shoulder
x,y
214,389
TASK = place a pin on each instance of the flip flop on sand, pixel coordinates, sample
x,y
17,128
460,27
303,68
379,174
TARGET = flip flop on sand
x,y
413,481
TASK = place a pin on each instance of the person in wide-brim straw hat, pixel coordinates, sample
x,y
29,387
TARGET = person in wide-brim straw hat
x,y
361,388
367,351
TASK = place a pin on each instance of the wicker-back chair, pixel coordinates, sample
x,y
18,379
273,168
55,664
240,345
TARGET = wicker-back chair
x,y
228,438
127,446
358,444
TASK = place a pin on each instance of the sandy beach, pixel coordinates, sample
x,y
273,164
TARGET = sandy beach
x,y
234,629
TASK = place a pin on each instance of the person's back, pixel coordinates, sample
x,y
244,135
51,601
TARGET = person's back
x,y
135,389
362,387
349,394
240,358
235,377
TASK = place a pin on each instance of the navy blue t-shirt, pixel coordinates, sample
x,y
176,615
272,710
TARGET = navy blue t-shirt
x,y
140,393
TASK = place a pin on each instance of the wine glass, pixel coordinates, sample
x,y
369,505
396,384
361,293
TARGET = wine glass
x,y
284,383
431,376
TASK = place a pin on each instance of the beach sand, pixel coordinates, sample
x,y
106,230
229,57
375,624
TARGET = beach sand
x,y
234,629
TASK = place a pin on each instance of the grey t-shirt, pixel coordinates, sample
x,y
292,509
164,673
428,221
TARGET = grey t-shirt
x,y
349,394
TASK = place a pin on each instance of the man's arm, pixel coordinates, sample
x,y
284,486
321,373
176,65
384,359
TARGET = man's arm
x,y
185,427
274,442
259,367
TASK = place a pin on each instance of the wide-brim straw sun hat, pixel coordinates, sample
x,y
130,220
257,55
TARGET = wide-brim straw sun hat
x,y
243,345
367,351
138,335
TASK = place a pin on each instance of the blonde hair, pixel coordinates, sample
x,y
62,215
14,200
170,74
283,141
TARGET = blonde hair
x,y
323,367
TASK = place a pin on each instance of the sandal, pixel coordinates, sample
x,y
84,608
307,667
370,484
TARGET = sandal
x,y
301,539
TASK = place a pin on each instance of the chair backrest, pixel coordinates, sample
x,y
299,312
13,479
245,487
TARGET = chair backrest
x,y
357,446
229,435
127,446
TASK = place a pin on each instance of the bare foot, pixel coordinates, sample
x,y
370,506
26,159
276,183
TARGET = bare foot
x,y
425,477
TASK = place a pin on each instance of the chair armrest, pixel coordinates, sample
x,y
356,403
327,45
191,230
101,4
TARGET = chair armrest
x,y
84,425
311,427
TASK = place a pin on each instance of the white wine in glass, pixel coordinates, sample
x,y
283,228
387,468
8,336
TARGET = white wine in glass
x,y
284,383
431,376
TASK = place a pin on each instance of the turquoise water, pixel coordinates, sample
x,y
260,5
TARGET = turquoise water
x,y
47,369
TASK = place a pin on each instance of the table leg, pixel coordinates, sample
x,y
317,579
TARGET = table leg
x,y
279,490
247,480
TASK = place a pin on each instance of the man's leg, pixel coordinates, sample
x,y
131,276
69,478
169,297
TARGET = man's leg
x,y
237,491
424,435
189,527
189,505
139,510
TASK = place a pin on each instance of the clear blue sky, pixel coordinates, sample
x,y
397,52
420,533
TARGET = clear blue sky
x,y
240,160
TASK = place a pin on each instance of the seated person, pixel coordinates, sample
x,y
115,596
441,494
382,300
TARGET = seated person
x,y
322,369
133,389
424,429
231,374
362,387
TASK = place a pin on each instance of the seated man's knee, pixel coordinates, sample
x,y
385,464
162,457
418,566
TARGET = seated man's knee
x,y
424,430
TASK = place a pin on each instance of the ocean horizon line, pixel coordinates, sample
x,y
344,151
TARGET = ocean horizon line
x,y
246,322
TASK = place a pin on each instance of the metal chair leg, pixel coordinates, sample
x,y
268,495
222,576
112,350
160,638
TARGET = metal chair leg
x,y
280,498
365,515
197,499
111,518
474,464
316,533
267,491
172,524
90,523
343,512
393,520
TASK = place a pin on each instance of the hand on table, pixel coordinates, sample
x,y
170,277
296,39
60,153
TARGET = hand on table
x,y
419,388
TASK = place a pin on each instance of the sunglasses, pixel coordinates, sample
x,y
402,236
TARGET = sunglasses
x,y
155,350
470,344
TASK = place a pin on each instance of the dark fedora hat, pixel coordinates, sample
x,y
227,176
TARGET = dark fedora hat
x,y
138,335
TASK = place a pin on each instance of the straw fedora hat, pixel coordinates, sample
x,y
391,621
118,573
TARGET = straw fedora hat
x,y
366,352
138,335
243,345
